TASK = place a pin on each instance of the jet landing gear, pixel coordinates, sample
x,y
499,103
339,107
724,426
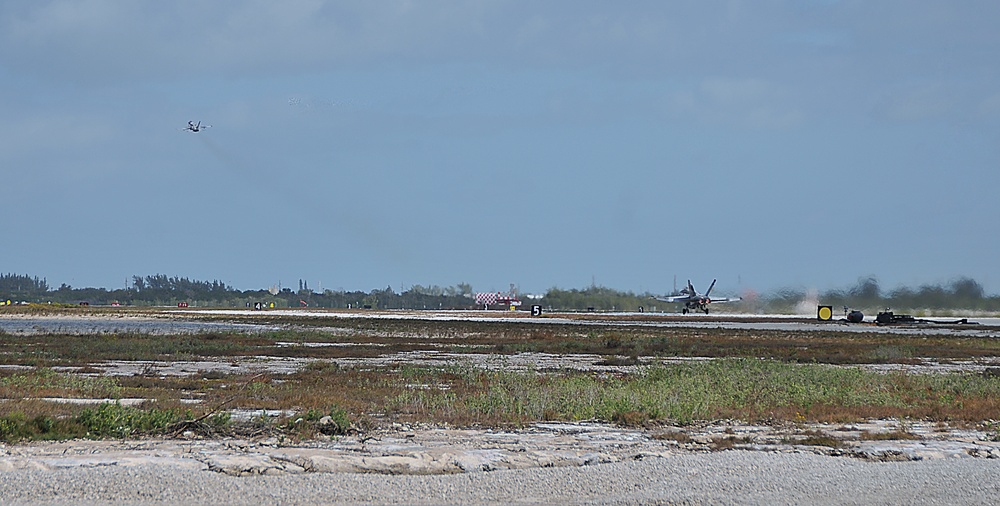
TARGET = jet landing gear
x,y
686,310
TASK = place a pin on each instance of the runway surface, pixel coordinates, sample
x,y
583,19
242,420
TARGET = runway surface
x,y
977,327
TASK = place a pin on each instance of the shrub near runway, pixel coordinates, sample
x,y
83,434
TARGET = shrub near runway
x,y
752,390
778,388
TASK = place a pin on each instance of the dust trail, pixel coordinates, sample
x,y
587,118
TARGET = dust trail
x,y
360,228
808,303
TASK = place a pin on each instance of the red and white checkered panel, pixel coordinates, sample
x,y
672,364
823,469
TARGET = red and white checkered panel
x,y
487,298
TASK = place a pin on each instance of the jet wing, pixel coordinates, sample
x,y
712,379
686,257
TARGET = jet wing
x,y
726,299
673,298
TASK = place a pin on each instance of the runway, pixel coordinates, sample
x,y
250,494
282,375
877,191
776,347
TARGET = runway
x,y
977,327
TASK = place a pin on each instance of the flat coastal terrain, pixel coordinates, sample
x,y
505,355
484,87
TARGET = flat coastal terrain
x,y
420,450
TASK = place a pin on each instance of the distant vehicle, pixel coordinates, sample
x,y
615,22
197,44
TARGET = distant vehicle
x,y
195,127
693,300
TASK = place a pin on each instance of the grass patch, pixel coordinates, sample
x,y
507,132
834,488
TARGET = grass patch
x,y
105,421
754,390
370,338
892,435
45,382
751,390
816,438
720,443
619,361
672,435
117,421
334,421
792,382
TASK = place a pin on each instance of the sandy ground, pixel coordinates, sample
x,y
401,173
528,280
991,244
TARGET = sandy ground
x,y
582,463
436,450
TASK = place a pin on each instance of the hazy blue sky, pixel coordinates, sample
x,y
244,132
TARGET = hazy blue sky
x,y
365,144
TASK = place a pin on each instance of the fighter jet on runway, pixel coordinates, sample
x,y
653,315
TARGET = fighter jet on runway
x,y
693,300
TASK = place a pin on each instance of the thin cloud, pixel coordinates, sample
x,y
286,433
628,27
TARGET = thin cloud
x,y
747,103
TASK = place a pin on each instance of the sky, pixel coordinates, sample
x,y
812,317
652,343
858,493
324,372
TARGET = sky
x,y
360,145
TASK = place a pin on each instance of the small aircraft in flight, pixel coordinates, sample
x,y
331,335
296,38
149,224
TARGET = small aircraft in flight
x,y
695,301
195,127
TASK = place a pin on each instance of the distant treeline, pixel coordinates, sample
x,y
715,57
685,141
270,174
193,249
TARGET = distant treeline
x,y
963,294
162,290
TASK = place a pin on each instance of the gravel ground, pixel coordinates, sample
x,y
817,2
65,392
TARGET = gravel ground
x,y
553,463
730,477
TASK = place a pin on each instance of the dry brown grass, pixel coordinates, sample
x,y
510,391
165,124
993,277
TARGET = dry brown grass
x,y
892,435
448,394
679,436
